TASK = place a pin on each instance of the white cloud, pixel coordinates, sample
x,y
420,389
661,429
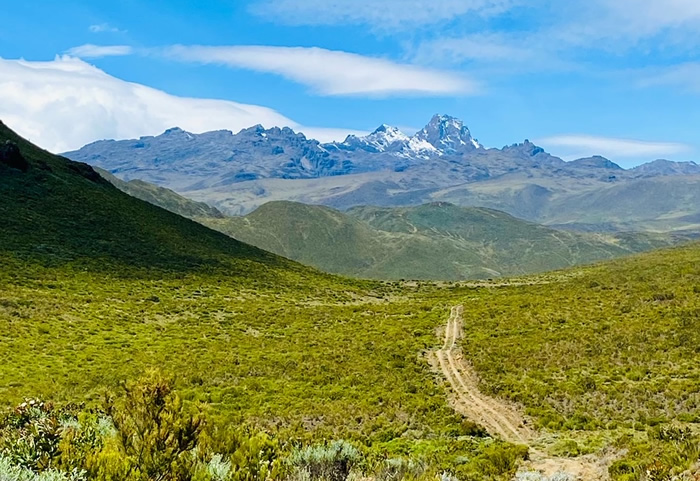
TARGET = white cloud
x,y
97,51
330,72
575,146
104,28
65,103
384,15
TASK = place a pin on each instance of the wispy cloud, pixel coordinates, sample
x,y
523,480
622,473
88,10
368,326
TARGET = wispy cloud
x,y
330,72
63,104
639,19
98,51
685,76
577,145
481,47
574,31
104,28
384,16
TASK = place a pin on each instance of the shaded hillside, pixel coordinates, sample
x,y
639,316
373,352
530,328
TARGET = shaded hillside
x,y
58,212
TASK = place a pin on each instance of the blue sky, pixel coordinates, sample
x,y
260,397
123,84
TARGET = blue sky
x,y
619,78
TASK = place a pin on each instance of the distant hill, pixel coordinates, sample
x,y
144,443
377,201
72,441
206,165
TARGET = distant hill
x,y
162,197
435,241
442,162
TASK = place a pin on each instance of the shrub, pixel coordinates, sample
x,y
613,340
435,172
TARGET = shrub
x,y
331,461
400,469
250,456
566,448
156,438
13,472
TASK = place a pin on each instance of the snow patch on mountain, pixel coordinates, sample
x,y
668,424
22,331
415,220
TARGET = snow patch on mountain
x,y
444,135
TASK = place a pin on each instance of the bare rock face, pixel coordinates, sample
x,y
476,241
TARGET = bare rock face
x,y
11,156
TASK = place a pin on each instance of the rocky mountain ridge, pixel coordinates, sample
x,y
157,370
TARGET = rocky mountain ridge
x,y
237,173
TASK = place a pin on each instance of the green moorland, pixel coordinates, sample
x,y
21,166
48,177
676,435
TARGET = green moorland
x,y
605,358
438,241
97,288
270,370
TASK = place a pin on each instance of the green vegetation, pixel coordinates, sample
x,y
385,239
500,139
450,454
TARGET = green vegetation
x,y
272,370
434,241
97,287
162,197
610,346
607,351
144,431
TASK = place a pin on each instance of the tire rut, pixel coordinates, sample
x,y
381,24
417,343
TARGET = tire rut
x,y
498,417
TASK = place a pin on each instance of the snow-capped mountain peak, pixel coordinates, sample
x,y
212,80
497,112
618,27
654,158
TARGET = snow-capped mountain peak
x,y
448,135
386,135
443,135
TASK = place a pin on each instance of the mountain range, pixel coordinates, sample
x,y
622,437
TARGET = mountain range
x,y
442,162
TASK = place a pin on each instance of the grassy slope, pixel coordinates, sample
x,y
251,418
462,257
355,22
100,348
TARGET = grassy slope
x,y
596,352
313,235
97,287
435,241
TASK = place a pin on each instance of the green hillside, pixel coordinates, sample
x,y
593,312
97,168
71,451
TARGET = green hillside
x,y
313,235
62,213
97,287
606,357
434,241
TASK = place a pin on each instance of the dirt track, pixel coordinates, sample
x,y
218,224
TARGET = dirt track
x,y
498,417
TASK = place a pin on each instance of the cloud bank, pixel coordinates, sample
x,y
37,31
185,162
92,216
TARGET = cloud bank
x,y
66,103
